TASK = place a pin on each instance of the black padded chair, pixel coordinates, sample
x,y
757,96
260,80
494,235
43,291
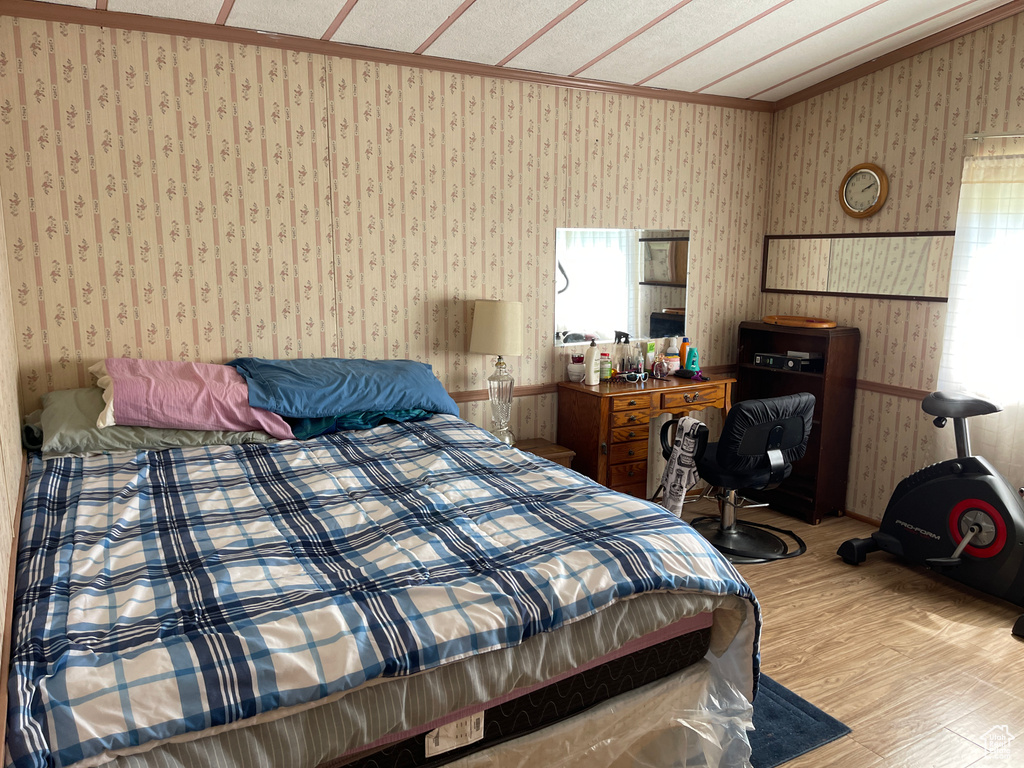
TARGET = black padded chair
x,y
760,441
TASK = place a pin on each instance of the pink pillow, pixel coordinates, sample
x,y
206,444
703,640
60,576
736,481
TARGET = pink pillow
x,y
163,393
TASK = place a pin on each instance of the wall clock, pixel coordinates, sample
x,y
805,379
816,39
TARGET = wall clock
x,y
863,190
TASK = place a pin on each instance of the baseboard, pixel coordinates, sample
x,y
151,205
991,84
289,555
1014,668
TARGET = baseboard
x,y
862,518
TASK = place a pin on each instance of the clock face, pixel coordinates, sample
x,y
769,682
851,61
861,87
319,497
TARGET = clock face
x,y
862,190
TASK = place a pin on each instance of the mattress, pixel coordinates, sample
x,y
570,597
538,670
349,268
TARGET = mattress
x,y
169,597
683,720
520,713
384,713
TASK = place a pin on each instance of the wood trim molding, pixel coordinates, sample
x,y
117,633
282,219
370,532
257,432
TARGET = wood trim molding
x,y
118,20
894,391
225,11
862,518
939,38
529,390
336,24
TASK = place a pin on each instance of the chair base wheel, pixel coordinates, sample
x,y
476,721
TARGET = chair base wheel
x,y
746,542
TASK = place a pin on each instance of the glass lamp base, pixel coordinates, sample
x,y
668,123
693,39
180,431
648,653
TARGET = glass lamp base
x,y
504,434
499,387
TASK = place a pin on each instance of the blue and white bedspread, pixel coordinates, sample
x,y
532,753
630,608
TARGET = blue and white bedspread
x,y
165,592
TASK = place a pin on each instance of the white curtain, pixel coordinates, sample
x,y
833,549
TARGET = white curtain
x,y
985,313
595,261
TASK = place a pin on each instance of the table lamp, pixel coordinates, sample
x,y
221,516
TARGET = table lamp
x,y
498,330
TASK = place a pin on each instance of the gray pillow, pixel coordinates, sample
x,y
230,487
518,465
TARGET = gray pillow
x,y
69,427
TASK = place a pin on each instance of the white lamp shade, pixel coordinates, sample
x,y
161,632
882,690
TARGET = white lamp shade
x,y
497,328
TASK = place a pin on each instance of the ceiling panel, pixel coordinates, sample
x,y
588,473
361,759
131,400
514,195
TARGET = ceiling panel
x,y
773,33
692,26
593,28
305,18
845,46
190,10
489,30
395,25
764,50
77,3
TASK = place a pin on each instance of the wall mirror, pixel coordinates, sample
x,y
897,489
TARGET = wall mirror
x,y
620,280
908,265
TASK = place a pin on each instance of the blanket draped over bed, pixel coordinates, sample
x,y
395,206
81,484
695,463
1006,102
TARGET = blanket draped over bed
x,y
164,592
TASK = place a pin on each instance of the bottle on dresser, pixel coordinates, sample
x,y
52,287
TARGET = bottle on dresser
x,y
591,365
672,356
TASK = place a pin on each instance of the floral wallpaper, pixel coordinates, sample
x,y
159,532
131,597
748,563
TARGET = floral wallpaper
x,y
911,119
182,198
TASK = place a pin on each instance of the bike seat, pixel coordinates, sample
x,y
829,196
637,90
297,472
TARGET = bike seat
x,y
957,405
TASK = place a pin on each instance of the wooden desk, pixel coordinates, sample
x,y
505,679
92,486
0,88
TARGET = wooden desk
x,y
608,425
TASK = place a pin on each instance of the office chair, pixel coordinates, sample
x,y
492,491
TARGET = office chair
x,y
760,441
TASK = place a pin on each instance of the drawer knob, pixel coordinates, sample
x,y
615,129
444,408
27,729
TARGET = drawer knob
x,y
691,398
631,452
632,402
632,433
631,418
632,472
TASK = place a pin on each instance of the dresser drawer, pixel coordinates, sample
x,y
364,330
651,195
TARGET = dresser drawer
x,y
624,434
627,474
631,403
630,418
701,397
623,452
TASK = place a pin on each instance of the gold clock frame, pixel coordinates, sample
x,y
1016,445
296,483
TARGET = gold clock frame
x,y
883,191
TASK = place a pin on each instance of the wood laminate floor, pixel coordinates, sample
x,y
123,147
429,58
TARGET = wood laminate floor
x,y
924,671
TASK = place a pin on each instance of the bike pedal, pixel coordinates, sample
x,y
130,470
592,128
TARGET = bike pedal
x,y
943,562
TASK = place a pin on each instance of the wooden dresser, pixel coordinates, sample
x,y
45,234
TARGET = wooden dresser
x,y
608,425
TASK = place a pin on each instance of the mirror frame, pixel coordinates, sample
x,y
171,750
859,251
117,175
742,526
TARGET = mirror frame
x,y
642,236
866,235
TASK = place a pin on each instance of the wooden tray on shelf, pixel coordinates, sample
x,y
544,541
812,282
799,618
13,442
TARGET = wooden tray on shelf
x,y
797,321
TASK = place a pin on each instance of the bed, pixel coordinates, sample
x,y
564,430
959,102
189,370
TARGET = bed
x,y
414,593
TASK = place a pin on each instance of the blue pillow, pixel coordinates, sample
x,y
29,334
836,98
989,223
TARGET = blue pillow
x,y
317,387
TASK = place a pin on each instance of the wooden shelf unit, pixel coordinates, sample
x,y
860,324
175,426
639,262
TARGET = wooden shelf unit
x,y
817,486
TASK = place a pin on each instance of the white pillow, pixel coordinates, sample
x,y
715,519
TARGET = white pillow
x,y
104,382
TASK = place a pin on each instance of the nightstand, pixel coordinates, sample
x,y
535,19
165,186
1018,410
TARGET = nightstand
x,y
546,449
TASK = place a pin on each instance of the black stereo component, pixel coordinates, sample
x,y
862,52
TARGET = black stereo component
x,y
789,362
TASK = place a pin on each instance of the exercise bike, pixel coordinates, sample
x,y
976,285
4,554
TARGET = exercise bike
x,y
959,517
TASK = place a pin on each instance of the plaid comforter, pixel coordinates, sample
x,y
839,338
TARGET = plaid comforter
x,y
165,592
